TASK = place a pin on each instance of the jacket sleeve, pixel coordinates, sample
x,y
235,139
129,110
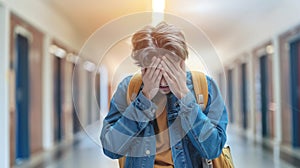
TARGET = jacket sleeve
x,y
206,132
124,122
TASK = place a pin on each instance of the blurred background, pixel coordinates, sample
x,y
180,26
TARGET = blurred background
x,y
58,74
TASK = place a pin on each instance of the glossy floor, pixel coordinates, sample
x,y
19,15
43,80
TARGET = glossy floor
x,y
86,153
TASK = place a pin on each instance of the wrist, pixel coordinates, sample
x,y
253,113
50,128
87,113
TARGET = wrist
x,y
183,93
147,95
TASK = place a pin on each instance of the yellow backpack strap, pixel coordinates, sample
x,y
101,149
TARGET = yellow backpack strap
x,y
200,88
132,91
122,162
134,87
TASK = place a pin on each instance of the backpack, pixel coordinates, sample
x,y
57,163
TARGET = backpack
x,y
201,93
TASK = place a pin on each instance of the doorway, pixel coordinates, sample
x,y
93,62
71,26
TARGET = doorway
x,y
58,99
230,95
244,106
97,89
295,90
22,97
263,62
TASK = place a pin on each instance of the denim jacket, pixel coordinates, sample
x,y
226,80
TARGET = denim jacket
x,y
195,135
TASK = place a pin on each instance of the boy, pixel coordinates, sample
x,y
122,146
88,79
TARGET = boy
x,y
163,125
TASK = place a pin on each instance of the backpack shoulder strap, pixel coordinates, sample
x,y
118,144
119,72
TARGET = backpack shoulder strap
x,y
134,87
200,88
132,91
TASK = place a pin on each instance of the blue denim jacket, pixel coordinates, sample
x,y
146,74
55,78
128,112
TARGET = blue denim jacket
x,y
194,135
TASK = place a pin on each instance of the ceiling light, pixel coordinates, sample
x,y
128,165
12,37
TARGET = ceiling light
x,y
57,51
270,49
89,66
71,57
158,5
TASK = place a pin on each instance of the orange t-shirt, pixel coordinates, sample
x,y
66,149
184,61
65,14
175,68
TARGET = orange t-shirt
x,y
163,158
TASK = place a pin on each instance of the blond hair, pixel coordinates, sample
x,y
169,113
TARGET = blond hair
x,y
163,36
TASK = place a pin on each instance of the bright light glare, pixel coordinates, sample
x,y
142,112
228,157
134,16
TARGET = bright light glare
x,y
270,49
58,52
158,5
89,66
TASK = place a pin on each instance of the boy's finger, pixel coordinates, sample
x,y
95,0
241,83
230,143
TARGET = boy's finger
x,y
154,66
150,66
172,76
169,64
165,66
159,76
182,64
167,77
156,73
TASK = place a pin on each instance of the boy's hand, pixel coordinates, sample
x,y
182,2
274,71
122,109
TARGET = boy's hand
x,y
151,78
175,75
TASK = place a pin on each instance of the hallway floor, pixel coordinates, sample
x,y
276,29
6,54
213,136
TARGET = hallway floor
x,y
86,153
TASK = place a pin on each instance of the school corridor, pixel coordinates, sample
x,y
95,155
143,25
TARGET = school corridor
x,y
61,62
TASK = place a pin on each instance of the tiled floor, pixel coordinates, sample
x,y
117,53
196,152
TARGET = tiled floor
x,y
248,155
87,154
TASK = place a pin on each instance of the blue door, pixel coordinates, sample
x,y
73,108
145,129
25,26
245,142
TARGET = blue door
x,y
22,98
58,97
244,96
89,98
97,89
264,93
75,96
295,89
230,95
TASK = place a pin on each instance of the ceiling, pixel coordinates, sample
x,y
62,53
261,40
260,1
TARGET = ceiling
x,y
232,26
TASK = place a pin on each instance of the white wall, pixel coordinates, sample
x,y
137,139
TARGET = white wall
x,y
48,128
104,82
48,20
251,93
4,69
236,95
82,111
276,90
68,104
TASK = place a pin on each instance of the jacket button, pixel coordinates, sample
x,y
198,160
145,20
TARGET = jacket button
x,y
178,147
147,152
